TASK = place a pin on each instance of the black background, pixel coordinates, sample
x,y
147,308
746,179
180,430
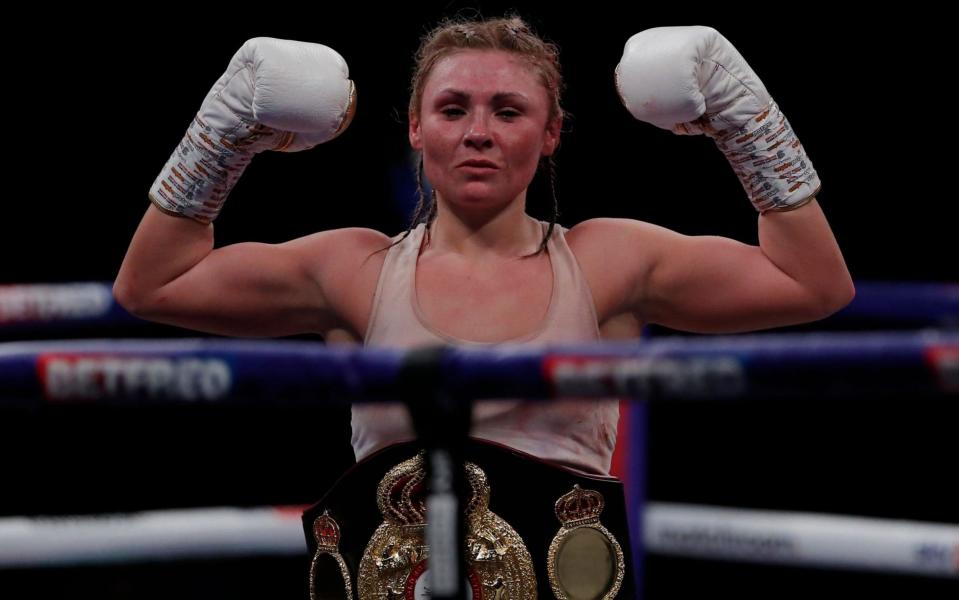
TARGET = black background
x,y
105,97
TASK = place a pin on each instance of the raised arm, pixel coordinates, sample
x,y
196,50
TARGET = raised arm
x,y
691,80
171,274
276,95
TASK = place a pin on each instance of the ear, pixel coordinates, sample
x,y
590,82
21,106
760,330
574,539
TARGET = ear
x,y
551,142
415,139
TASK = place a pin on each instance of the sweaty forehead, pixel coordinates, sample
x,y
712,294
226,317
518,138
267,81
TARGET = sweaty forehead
x,y
482,72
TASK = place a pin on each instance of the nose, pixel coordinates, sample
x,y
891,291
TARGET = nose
x,y
478,136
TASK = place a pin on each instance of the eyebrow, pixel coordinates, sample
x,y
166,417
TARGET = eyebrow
x,y
496,97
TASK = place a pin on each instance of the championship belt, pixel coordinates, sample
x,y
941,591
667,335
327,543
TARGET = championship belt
x,y
394,564
367,534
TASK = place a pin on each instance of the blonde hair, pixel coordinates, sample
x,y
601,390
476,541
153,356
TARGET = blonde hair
x,y
511,34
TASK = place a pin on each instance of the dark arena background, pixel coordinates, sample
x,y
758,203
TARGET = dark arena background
x,y
103,116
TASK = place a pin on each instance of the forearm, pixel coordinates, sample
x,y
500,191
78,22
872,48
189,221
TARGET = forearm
x,y
276,95
163,248
801,244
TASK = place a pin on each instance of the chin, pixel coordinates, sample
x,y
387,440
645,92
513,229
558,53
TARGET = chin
x,y
486,200
491,194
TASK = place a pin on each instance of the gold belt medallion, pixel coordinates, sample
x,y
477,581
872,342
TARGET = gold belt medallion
x,y
394,563
584,562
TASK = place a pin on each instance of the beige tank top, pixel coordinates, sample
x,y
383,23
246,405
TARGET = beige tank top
x,y
576,433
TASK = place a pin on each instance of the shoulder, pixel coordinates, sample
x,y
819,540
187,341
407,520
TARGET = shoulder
x,y
362,237
621,238
347,263
615,256
599,230
337,249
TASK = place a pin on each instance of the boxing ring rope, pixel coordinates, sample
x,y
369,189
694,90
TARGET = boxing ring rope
x,y
29,308
137,372
761,366
786,538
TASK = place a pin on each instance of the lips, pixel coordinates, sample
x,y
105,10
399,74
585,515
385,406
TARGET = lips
x,y
483,164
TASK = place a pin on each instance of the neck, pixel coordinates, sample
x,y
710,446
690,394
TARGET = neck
x,y
507,233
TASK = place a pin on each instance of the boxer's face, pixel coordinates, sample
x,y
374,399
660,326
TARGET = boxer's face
x,y
483,105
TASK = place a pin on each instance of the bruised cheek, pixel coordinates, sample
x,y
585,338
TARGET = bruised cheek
x,y
437,142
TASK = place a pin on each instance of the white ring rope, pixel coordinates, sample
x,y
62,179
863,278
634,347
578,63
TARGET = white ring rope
x,y
809,539
804,539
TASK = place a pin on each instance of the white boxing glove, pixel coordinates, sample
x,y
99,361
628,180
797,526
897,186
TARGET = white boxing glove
x,y
691,80
277,94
